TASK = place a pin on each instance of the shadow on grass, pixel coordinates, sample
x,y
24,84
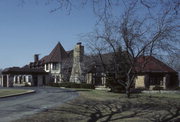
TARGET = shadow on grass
x,y
171,114
105,111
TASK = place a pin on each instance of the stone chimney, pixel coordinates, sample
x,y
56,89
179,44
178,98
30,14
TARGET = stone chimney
x,y
36,57
76,73
78,52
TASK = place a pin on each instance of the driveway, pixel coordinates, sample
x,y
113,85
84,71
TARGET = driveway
x,y
13,108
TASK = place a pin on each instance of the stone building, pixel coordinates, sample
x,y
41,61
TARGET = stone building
x,y
155,73
16,76
74,66
77,67
53,63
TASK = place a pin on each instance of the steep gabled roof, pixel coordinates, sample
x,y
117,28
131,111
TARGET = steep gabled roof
x,y
151,64
57,54
44,59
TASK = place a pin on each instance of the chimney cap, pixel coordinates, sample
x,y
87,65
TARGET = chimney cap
x,y
79,43
36,57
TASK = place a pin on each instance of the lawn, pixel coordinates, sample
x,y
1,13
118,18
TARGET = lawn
x,y
103,106
9,92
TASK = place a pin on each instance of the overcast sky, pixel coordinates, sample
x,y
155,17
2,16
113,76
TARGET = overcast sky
x,y
31,28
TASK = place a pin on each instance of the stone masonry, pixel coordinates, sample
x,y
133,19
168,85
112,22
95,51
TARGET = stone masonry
x,y
76,73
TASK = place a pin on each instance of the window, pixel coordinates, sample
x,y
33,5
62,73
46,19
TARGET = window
x,y
55,66
156,80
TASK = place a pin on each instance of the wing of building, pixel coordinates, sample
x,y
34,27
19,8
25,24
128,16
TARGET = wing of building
x,y
152,72
73,66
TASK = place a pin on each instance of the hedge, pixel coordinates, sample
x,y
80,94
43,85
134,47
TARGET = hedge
x,y
158,88
73,85
114,85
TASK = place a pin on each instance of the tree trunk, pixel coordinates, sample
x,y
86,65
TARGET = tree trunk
x,y
128,92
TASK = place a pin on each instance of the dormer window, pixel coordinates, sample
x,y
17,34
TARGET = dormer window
x,y
55,66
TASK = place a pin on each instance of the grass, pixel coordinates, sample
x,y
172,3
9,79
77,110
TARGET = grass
x,y
9,92
164,95
94,105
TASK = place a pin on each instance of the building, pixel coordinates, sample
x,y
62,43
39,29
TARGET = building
x,y
155,73
73,66
16,76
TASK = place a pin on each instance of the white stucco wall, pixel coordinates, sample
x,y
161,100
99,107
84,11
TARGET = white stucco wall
x,y
139,81
58,69
51,70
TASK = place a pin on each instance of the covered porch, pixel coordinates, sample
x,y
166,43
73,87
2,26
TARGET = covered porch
x,y
16,76
151,80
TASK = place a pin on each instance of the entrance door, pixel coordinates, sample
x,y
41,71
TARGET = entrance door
x,y
35,80
44,80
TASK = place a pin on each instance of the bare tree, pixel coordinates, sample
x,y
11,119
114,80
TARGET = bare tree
x,y
139,36
103,8
173,60
150,31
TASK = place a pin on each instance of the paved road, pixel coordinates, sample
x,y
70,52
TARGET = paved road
x,y
16,107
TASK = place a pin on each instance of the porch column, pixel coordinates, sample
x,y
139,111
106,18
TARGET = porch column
x,y
18,79
60,78
14,79
7,80
2,80
27,78
103,79
166,79
55,79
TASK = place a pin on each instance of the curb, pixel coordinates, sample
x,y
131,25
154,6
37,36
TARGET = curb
x,y
13,95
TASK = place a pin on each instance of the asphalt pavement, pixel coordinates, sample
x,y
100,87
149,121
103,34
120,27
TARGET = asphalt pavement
x,y
13,108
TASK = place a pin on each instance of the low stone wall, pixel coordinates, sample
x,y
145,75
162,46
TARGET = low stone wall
x,y
160,91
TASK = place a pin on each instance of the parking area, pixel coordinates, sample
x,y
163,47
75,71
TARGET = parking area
x,y
12,108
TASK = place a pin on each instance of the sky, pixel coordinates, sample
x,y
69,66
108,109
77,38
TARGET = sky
x,y
30,28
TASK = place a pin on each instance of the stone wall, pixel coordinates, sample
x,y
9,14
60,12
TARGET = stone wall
x,y
139,82
76,73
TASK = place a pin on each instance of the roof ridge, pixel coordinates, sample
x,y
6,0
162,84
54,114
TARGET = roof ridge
x,y
55,50
155,64
162,64
58,53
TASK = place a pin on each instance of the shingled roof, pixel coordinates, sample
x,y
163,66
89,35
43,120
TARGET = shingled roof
x,y
151,64
24,70
57,54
